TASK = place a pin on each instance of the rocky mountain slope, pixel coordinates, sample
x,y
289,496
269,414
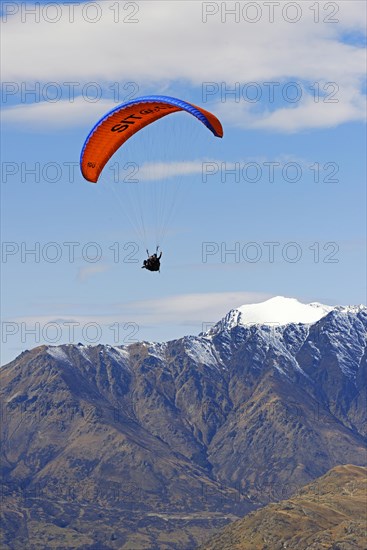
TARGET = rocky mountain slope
x,y
156,445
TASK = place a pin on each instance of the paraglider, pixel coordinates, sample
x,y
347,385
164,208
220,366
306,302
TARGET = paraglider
x,y
153,262
124,121
118,125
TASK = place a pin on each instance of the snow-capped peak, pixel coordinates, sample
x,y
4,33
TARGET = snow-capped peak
x,y
277,311
282,311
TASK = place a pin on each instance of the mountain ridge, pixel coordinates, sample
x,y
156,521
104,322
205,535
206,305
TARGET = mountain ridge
x,y
329,513
204,427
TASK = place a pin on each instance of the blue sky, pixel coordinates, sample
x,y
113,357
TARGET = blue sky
x,y
169,50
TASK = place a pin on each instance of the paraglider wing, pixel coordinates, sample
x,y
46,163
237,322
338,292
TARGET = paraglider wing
x,y
118,125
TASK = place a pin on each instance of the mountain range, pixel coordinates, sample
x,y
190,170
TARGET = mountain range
x,y
157,445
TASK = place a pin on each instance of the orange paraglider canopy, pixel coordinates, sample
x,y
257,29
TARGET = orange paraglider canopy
x,y
118,125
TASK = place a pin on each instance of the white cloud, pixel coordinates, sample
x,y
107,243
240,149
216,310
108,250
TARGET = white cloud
x,y
162,170
347,105
174,310
169,43
61,114
153,171
86,273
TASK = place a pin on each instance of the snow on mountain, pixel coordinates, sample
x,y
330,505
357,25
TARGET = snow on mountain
x,y
278,311
202,351
279,326
282,311
57,352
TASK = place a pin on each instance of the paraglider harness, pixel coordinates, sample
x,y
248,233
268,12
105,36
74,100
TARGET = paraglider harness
x,y
153,262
